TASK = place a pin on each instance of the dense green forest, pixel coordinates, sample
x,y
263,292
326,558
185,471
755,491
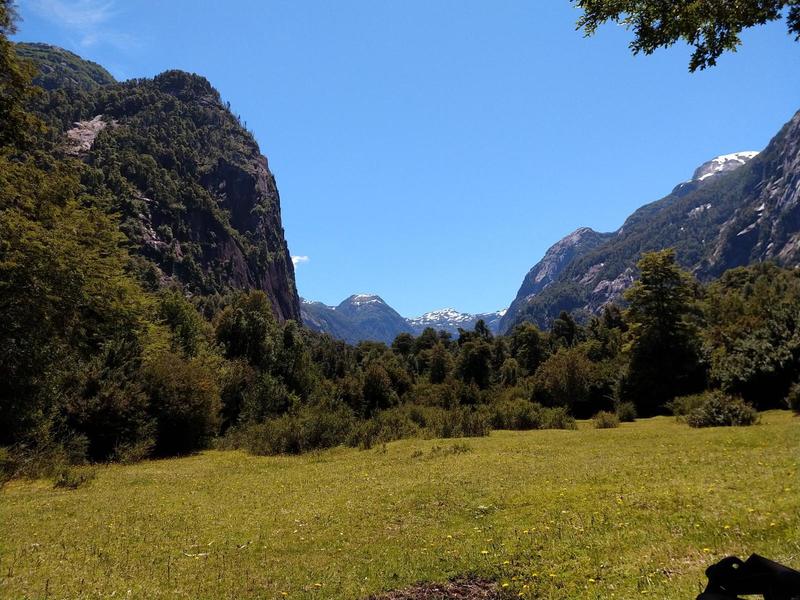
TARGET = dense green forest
x,y
103,359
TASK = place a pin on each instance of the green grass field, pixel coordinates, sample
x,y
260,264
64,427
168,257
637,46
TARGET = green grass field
x,y
553,514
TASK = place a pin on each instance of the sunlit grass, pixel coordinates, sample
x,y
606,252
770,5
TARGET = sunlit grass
x,y
641,509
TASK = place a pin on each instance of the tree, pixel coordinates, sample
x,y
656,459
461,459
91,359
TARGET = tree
x,y
403,344
439,363
15,83
710,26
474,362
569,379
377,390
247,329
752,335
565,331
663,344
527,346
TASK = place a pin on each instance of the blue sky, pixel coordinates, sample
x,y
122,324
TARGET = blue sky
x,y
430,151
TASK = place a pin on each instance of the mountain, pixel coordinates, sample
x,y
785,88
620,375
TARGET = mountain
x,y
59,68
737,209
357,318
450,320
547,270
367,317
195,195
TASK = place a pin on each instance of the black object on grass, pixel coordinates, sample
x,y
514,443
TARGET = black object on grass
x,y
760,576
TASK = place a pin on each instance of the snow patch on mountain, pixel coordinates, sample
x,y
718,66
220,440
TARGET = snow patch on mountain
x,y
361,299
722,164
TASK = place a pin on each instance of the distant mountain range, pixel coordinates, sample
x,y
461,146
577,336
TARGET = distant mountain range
x,y
368,317
735,210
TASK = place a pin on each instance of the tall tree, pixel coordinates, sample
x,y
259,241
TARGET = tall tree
x,y
15,83
663,343
710,26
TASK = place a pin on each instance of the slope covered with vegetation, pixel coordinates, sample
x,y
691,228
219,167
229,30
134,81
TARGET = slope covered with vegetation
x,y
59,68
195,196
733,219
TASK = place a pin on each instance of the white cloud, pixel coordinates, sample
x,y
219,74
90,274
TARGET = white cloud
x,y
296,260
88,20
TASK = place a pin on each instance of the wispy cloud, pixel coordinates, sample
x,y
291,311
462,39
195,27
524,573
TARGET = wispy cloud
x,y
89,20
297,260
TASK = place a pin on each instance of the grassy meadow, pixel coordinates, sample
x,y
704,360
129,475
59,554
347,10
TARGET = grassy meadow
x,y
617,513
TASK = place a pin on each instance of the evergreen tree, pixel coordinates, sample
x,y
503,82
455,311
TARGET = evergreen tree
x,y
663,343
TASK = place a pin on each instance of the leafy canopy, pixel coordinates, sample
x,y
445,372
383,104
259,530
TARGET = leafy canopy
x,y
710,26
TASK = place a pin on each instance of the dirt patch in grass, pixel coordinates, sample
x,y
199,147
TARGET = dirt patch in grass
x,y
459,589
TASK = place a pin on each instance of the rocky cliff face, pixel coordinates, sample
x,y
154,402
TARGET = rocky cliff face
x,y
547,270
196,196
737,209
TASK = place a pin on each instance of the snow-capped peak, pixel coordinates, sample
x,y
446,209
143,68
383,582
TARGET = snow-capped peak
x,y
359,299
450,315
722,164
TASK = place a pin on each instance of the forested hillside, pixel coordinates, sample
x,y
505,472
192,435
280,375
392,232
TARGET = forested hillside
x,y
195,196
716,221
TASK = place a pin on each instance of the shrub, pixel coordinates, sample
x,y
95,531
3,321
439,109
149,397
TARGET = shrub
x,y
457,422
557,418
682,406
185,398
626,411
387,426
310,428
721,410
793,398
518,414
6,465
133,452
605,420
71,477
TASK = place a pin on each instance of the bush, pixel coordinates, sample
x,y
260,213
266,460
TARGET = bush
x,y
605,420
6,465
44,457
386,426
456,422
682,406
793,398
185,398
557,418
721,410
521,415
310,428
71,478
130,453
517,414
626,411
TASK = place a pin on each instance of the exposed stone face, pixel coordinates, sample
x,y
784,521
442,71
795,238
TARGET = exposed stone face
x,y
81,137
738,209
195,195
766,223
251,198
547,270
